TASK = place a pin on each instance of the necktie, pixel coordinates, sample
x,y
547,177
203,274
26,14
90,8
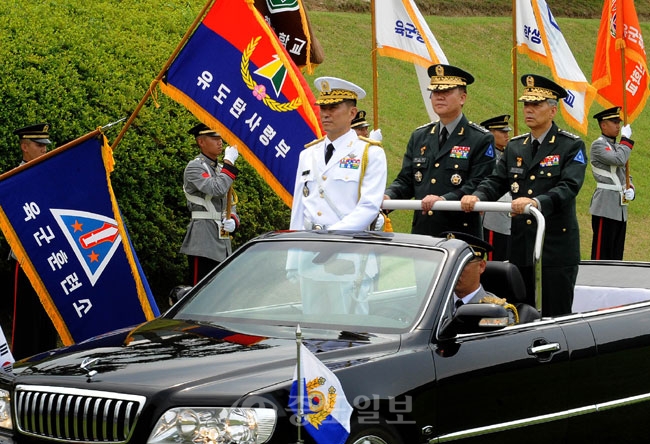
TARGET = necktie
x,y
535,147
443,136
458,303
329,152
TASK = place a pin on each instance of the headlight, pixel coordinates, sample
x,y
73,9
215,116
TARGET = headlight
x,y
213,425
5,410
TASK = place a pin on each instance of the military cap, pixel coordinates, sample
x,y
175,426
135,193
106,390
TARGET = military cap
x,y
609,114
540,88
444,77
333,90
501,123
203,130
479,246
359,120
39,133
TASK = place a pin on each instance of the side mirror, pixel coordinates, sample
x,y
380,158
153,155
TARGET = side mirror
x,y
177,293
476,318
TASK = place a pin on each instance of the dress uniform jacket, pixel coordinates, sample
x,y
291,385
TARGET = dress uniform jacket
x,y
554,177
328,196
451,172
205,177
608,156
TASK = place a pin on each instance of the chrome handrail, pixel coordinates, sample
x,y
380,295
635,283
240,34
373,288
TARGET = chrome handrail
x,y
502,207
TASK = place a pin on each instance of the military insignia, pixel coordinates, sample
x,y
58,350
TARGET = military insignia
x,y
275,72
552,160
456,179
460,152
422,150
320,402
440,70
350,162
514,187
530,81
418,176
580,157
519,161
305,190
490,151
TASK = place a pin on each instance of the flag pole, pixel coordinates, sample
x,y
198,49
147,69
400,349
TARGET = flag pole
x,y
515,83
162,72
620,44
301,407
375,100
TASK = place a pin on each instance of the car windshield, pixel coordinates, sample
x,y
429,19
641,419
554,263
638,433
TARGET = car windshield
x,y
353,286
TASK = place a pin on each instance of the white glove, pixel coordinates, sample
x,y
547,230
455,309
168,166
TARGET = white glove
x,y
375,135
292,275
629,194
231,154
626,132
228,225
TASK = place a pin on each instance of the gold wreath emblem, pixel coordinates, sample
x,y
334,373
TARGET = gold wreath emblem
x,y
253,86
326,403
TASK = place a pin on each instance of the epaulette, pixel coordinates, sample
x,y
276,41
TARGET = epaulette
x,y
568,134
479,127
427,124
520,136
370,141
314,142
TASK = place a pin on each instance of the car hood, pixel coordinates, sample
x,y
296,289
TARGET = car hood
x,y
196,358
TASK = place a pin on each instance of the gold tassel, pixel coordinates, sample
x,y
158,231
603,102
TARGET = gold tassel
x,y
388,225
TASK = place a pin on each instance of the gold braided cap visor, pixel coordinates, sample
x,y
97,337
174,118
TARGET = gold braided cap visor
x,y
536,94
443,83
335,96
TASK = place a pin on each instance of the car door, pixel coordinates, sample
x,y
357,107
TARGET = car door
x,y
613,388
505,386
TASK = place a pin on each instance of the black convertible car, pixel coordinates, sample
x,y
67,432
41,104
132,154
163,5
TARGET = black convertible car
x,y
375,309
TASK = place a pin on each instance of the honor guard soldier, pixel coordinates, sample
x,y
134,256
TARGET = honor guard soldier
x,y
341,177
206,184
33,331
610,199
445,160
546,169
496,226
362,127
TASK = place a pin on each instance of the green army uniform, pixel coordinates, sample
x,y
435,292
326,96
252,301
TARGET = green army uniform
x,y
450,171
553,177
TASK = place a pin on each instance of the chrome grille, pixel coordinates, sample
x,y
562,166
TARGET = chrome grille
x,y
63,414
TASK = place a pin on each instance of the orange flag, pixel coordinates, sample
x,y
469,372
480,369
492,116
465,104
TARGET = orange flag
x,y
620,49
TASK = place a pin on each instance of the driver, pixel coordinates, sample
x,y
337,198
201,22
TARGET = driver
x,y
468,289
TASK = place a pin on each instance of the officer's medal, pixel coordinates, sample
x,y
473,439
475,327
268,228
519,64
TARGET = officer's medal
x,y
305,190
418,176
514,187
456,179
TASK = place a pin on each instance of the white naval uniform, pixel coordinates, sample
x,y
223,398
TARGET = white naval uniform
x,y
339,181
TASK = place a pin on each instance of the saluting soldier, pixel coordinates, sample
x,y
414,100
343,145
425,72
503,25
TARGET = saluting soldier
x,y
610,199
446,159
546,169
341,177
206,183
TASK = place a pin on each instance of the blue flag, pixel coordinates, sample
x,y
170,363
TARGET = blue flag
x,y
236,77
61,219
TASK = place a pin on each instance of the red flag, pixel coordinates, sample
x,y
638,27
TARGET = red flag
x,y
620,46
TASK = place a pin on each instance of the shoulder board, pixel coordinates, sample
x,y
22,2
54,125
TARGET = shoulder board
x,y
520,136
314,142
427,124
370,141
479,127
567,134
